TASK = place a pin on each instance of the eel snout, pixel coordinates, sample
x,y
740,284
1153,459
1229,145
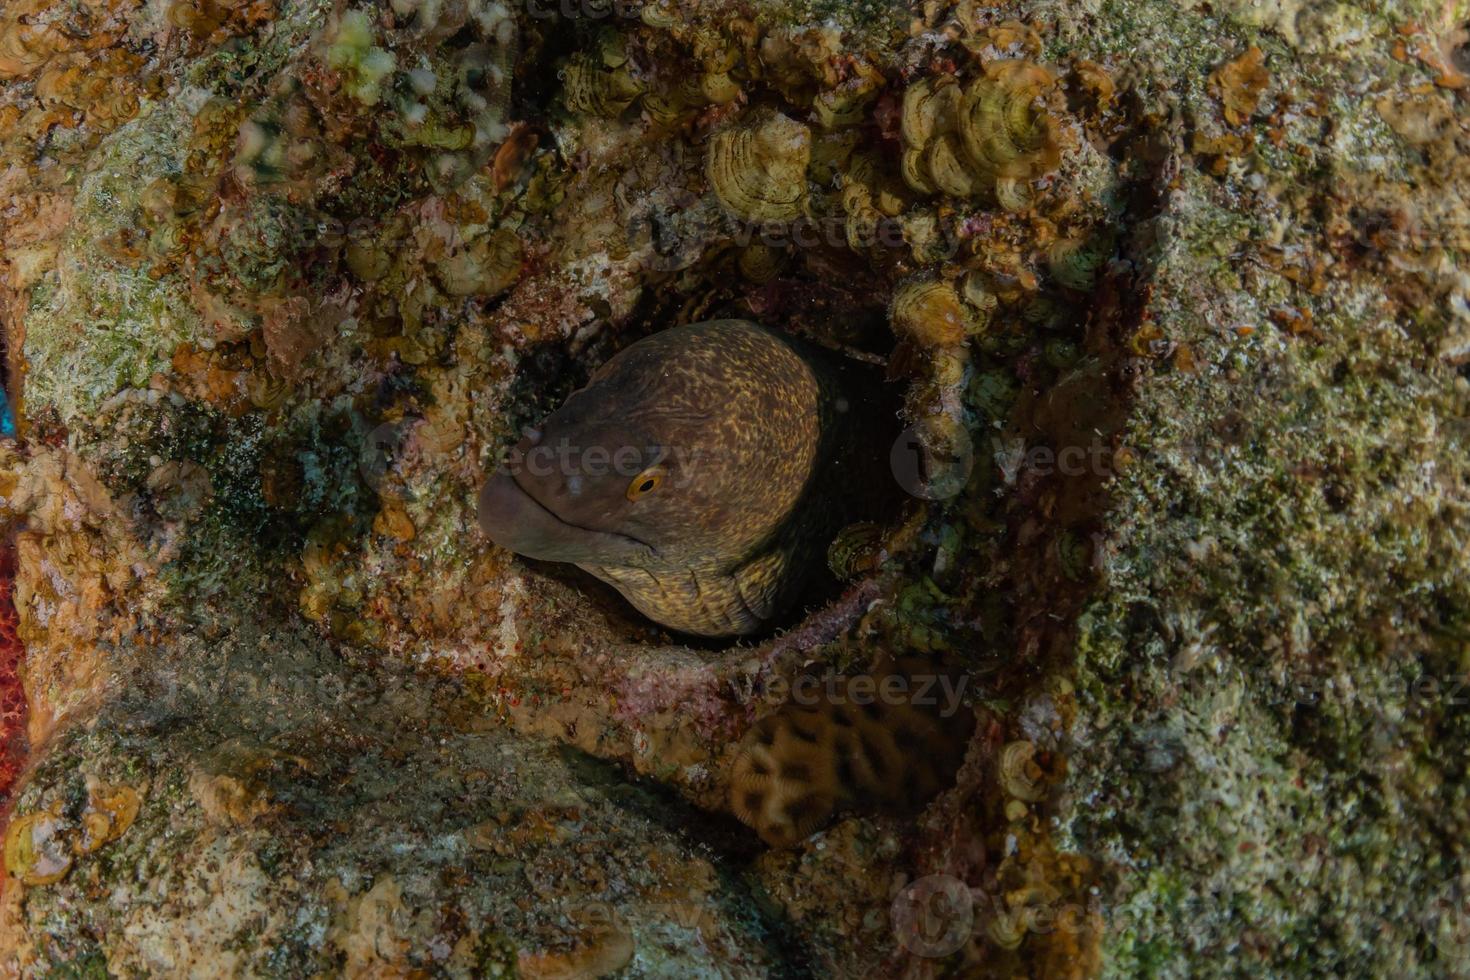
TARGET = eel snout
x,y
517,521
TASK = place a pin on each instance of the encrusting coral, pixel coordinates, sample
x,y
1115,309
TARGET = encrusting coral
x,y
929,312
758,170
597,90
988,138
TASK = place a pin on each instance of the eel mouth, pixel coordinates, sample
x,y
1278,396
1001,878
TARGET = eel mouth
x,y
514,519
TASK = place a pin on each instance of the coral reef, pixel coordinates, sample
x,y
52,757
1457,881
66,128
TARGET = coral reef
x,y
1170,299
758,171
993,137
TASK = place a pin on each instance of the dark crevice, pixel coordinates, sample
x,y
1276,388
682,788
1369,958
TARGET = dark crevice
x,y
1047,600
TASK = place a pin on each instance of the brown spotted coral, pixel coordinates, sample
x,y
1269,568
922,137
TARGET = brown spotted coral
x,y
861,741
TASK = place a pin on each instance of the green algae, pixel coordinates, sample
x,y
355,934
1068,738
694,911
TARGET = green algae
x,y
1283,557
239,539
241,66
95,325
1270,747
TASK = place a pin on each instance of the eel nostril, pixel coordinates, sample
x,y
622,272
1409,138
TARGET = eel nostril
x,y
531,434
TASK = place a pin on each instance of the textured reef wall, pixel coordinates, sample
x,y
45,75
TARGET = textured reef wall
x,y
1171,295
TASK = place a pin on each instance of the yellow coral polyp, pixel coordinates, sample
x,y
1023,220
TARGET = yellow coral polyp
x,y
664,108
915,171
848,103
487,267
718,87
1020,777
592,90
929,312
1013,194
930,107
759,262
862,217
944,160
1076,262
24,48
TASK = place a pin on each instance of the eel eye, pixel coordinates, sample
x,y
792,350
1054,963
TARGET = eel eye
x,y
646,482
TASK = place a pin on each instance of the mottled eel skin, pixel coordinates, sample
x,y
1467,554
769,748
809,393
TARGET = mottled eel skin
x,y
697,473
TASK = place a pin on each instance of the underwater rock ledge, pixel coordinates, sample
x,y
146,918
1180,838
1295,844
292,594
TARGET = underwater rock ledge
x,y
287,816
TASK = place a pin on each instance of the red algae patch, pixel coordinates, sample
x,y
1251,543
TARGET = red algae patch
x,y
13,743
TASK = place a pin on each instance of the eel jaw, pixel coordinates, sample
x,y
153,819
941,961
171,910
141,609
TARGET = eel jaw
x,y
514,519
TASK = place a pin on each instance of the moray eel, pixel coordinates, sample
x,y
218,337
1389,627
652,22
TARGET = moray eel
x,y
697,473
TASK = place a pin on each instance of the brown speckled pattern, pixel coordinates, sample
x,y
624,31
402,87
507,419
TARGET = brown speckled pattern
x,y
797,767
755,416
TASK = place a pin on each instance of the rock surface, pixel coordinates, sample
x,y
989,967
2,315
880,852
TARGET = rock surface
x,y
295,817
281,279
